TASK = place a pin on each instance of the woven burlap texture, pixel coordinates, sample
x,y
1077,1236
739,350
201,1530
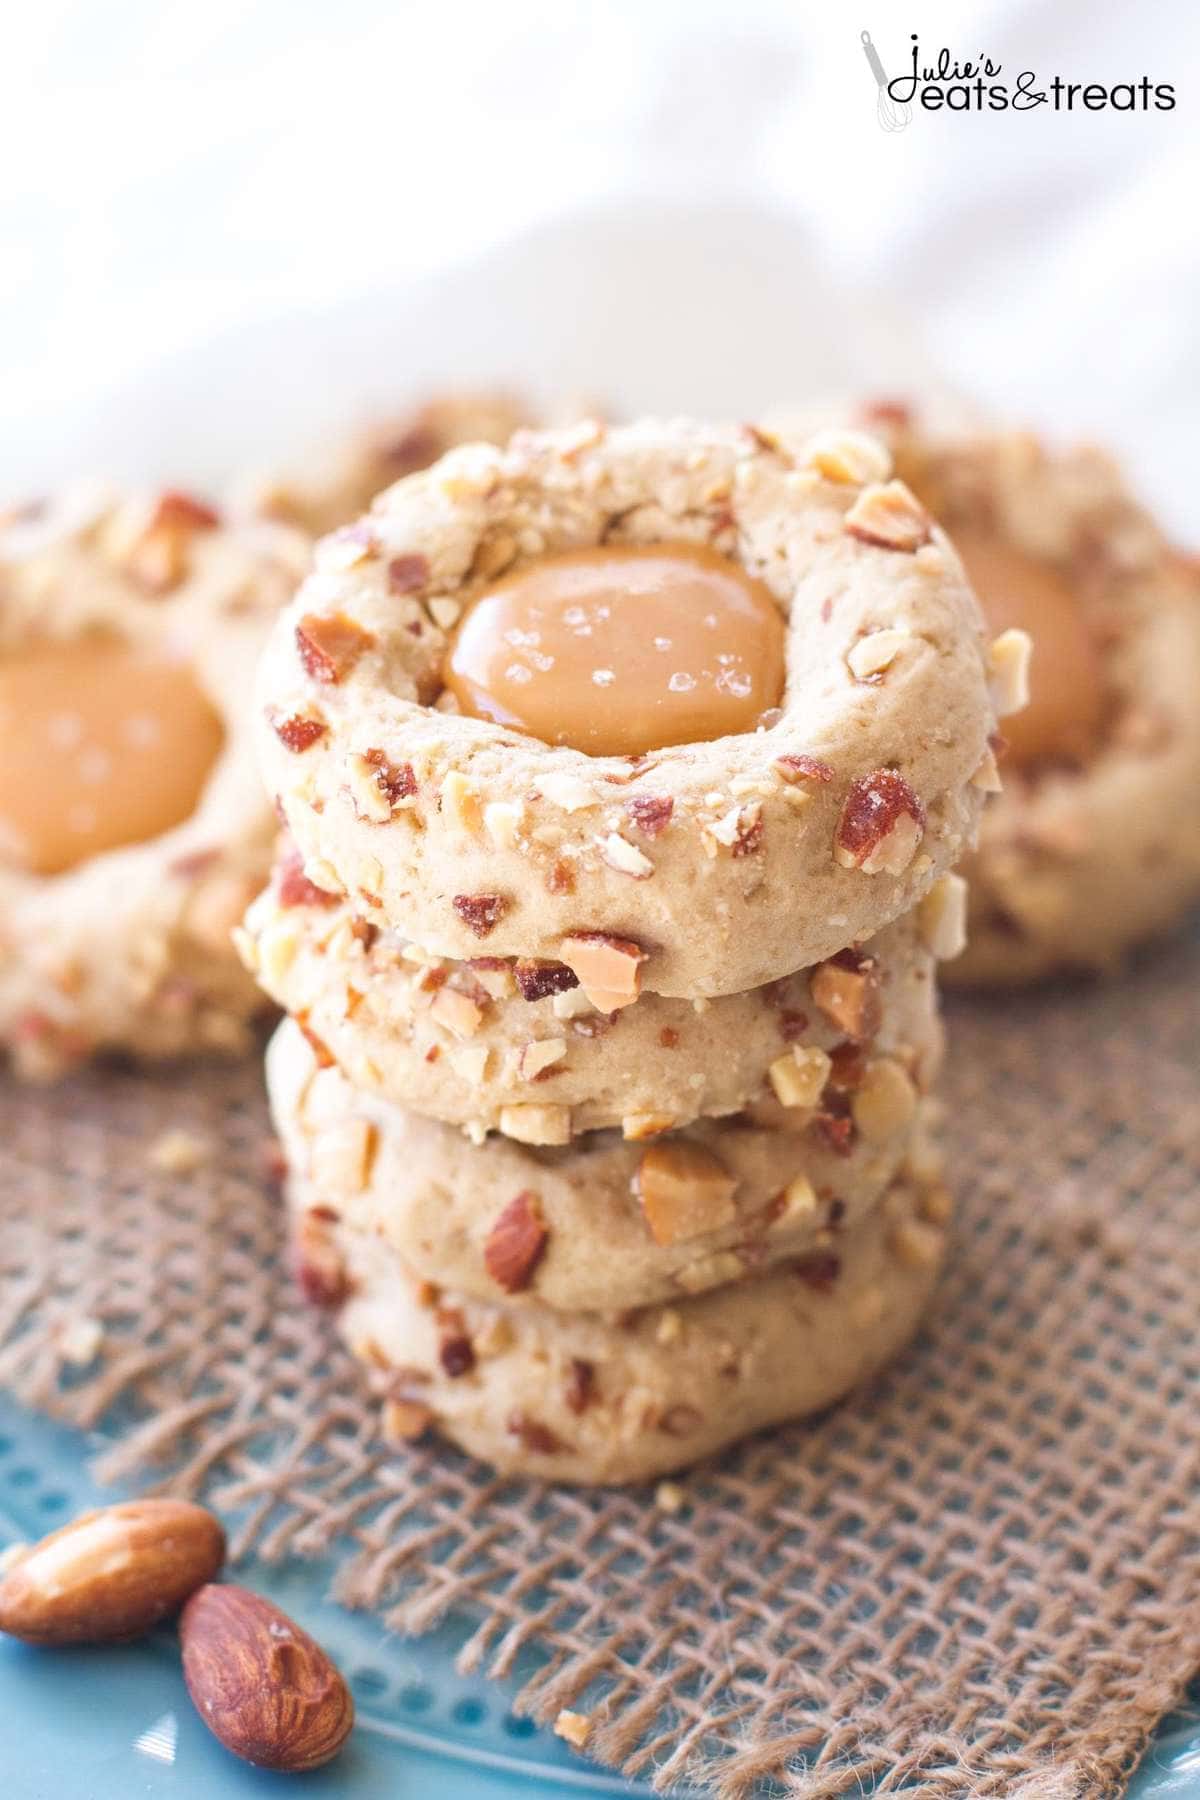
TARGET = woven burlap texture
x,y
978,1577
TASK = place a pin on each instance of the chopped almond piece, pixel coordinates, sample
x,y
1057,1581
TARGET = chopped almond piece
x,y
646,1124
320,1271
341,1157
942,918
460,803
799,1078
457,1012
850,457
330,645
574,1727
685,1192
798,1201
405,1420
625,857
608,969
297,731
882,821
870,656
481,912
536,1124
885,1101
539,1056
848,996
1008,668
889,516
516,1243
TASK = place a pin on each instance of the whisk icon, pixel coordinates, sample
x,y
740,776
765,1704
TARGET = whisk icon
x,y
893,115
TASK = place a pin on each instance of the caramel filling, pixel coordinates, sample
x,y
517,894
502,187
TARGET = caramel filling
x,y
622,649
103,745
1063,718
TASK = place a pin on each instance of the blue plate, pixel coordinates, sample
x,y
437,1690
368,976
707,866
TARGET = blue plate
x,y
114,1724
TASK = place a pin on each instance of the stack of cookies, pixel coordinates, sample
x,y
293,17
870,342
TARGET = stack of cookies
x,y
624,774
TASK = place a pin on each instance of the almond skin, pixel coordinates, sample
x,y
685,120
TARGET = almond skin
x,y
263,1687
111,1574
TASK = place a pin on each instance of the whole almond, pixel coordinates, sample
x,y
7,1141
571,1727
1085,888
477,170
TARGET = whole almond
x,y
263,1687
111,1574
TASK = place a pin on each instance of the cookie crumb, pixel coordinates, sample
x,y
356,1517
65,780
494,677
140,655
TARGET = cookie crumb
x,y
574,1727
669,1497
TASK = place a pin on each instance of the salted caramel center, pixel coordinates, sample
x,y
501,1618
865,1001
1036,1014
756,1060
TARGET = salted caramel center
x,y
102,745
1062,720
622,649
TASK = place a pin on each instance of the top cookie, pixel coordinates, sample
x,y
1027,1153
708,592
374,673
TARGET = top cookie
x,y
697,869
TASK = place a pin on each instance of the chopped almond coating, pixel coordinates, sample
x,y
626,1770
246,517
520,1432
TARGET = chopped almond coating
x,y
798,1201
608,969
889,516
297,731
872,654
539,980
538,1056
799,1078
987,774
885,1100
457,1012
536,1124
460,803
366,794
320,1270
713,1271
1008,668
651,813
646,1124
330,646
404,1421
848,997
685,1192
882,821
341,1157
480,912
846,456
471,1061
502,822
444,611
516,1243
942,918
625,857
800,767
406,574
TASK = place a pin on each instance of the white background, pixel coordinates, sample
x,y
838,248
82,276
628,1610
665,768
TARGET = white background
x,y
219,222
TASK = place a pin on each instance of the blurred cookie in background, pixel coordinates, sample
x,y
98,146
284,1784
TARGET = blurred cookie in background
x,y
1093,844
341,485
134,827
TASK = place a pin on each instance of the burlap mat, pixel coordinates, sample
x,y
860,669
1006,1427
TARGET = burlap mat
x,y
978,1578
